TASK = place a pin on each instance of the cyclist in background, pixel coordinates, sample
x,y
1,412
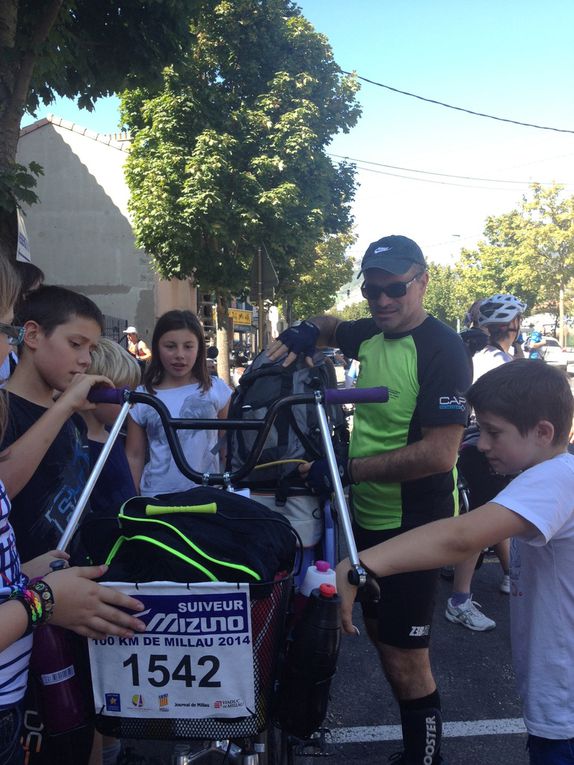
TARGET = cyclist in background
x,y
499,316
535,344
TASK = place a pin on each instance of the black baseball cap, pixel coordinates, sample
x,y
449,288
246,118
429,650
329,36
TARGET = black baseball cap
x,y
395,254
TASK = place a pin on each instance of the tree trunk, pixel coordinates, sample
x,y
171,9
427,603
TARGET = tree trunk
x,y
16,69
222,340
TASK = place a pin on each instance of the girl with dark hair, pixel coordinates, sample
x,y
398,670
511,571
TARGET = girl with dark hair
x,y
178,376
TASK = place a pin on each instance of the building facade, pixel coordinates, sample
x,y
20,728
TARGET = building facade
x,y
80,232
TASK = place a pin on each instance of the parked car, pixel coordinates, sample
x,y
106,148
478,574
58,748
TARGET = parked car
x,y
553,353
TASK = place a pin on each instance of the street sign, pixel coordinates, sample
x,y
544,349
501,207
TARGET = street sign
x,y
240,316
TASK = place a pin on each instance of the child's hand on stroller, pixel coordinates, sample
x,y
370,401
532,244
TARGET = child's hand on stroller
x,y
89,608
318,476
293,341
40,566
347,592
75,397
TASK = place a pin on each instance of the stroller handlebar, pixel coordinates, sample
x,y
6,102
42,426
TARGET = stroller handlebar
x,y
261,426
356,395
331,395
108,395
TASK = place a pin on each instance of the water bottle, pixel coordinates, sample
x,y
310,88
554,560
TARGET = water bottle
x,y
310,664
315,576
57,665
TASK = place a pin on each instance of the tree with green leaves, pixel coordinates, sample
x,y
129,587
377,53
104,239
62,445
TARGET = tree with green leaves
x,y
230,154
78,49
528,252
352,311
442,298
315,292
496,266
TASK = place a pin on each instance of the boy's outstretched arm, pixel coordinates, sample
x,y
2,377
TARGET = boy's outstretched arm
x,y
431,546
20,460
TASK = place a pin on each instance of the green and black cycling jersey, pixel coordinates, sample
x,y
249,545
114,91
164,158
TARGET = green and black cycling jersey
x,y
427,372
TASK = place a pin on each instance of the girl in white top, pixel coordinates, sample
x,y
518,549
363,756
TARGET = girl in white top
x,y
178,376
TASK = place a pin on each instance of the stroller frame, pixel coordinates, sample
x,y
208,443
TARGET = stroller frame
x,y
245,745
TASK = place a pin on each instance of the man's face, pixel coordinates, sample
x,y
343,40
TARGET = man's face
x,y
397,314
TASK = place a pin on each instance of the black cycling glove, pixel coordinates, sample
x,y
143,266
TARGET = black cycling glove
x,y
319,477
301,339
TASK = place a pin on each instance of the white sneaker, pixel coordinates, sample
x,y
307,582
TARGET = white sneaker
x,y
469,616
505,584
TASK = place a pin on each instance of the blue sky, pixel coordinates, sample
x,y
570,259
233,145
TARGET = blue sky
x,y
506,58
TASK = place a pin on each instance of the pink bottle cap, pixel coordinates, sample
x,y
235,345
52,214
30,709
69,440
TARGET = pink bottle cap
x,y
322,566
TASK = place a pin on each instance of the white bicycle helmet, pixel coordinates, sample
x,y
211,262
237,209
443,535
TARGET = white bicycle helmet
x,y
499,309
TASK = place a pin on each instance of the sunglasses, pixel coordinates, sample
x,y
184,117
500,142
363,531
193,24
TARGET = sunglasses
x,y
392,290
14,335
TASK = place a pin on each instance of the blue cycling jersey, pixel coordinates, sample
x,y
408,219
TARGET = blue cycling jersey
x,y
535,337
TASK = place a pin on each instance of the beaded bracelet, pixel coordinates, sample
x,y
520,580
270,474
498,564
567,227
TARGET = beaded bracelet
x,y
38,600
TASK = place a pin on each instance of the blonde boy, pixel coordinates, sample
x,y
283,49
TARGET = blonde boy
x,y
115,484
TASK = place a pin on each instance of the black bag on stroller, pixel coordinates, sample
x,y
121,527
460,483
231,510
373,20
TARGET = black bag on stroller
x,y
204,534
295,436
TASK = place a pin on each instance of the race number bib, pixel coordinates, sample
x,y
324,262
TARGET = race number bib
x,y
195,659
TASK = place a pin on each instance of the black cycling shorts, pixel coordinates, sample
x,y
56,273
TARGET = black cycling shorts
x,y
405,609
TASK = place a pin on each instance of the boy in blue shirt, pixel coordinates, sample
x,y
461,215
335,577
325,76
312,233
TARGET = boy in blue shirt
x,y
525,414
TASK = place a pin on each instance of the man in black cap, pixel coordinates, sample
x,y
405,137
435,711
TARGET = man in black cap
x,y
401,459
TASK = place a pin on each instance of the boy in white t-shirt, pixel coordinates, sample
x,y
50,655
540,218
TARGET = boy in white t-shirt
x,y
525,413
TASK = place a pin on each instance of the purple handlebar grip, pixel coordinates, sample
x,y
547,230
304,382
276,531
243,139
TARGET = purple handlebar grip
x,y
356,395
107,395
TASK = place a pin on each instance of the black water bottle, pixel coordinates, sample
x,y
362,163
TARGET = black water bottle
x,y
310,664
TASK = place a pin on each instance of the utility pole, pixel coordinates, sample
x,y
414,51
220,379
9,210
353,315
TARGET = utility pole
x,y
263,280
260,299
561,316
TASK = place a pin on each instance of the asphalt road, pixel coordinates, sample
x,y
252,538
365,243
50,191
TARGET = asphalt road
x,y
481,711
475,678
